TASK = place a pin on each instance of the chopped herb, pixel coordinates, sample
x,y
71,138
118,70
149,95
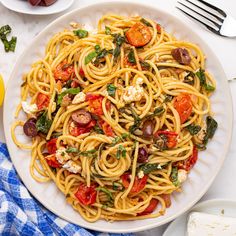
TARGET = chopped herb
x,y
90,57
193,129
168,98
89,153
43,124
68,83
121,152
116,51
115,141
131,57
98,130
101,147
107,30
174,176
118,40
124,135
97,48
189,78
145,65
137,120
211,128
117,186
8,45
148,168
157,112
68,91
202,77
72,150
56,134
111,89
81,33
145,22
106,191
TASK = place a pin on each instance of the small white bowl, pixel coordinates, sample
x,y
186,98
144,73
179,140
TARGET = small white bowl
x,y
25,7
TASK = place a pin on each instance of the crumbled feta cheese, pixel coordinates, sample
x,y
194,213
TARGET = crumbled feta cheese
x,y
182,175
29,108
140,174
134,93
71,166
63,90
80,97
62,156
54,106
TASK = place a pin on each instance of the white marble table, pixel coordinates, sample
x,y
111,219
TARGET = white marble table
x,y
25,27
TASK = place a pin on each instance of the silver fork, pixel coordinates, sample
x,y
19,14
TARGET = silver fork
x,y
212,17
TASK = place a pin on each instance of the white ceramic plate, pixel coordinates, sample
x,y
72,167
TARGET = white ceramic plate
x,y
210,161
215,207
23,6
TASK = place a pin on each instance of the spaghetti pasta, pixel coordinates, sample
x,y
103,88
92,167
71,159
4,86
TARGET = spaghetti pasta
x,y
116,117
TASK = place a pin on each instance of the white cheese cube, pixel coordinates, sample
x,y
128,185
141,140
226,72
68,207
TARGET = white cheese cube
x,y
29,108
80,97
62,156
72,167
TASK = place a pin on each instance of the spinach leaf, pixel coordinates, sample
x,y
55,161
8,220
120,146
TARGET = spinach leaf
x,y
107,30
43,124
81,33
121,152
8,45
148,168
68,91
168,98
145,22
202,77
145,65
107,192
174,176
193,129
131,57
211,128
111,89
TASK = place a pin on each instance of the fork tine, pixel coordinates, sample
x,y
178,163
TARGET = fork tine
x,y
213,7
217,25
212,14
207,26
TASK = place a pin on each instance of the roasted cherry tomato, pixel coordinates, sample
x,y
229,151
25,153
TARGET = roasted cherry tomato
x,y
86,195
138,35
51,146
95,103
64,71
76,130
171,137
183,105
190,162
106,128
167,200
151,207
52,161
42,101
138,185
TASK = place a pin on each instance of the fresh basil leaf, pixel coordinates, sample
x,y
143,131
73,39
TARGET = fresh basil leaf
x,y
131,57
145,65
81,33
90,57
111,89
211,128
116,51
148,168
118,39
145,22
8,45
73,91
106,191
4,31
43,124
174,176
193,129
157,112
107,30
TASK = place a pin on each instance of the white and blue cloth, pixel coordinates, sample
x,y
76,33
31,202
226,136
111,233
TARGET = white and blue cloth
x,y
21,214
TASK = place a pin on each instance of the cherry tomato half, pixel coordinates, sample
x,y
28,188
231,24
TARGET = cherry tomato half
x,y
51,146
76,130
42,101
64,71
52,161
151,207
138,185
171,137
86,195
107,129
183,105
95,103
167,200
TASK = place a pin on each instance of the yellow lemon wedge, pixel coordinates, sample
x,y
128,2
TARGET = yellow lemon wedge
x,y
2,90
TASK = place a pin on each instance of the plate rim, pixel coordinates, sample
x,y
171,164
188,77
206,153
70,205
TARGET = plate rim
x,y
230,116
42,13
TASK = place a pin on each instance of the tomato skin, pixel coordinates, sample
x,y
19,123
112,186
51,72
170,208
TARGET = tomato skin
x,y
64,71
52,146
167,200
138,35
52,161
74,84
158,27
171,137
86,195
95,103
107,129
138,185
76,130
183,105
151,207
190,162
81,72
42,101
